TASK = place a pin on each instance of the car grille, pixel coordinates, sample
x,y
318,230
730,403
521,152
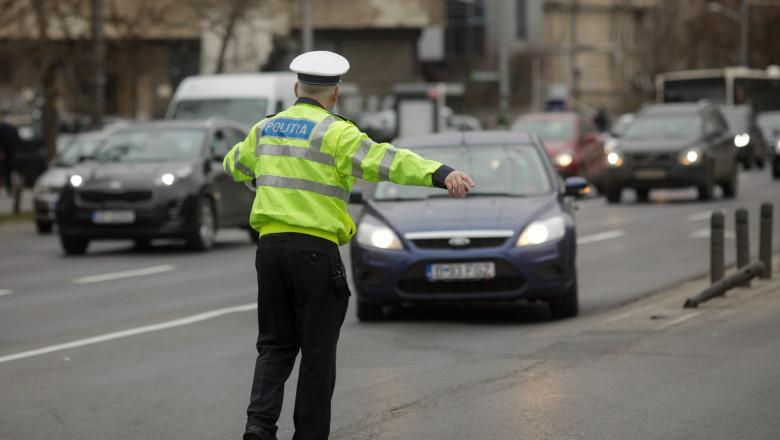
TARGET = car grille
x,y
101,197
414,282
653,159
444,243
473,239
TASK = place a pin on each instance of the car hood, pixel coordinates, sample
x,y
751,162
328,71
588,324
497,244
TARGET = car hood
x,y
473,212
556,147
54,177
672,145
129,172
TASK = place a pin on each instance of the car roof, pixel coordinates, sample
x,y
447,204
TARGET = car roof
x,y
182,123
676,107
549,115
482,138
735,109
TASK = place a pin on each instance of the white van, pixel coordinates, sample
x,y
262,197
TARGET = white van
x,y
246,98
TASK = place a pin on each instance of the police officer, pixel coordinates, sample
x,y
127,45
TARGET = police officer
x,y
304,162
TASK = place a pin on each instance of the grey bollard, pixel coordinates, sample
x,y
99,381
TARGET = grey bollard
x,y
765,242
716,247
743,245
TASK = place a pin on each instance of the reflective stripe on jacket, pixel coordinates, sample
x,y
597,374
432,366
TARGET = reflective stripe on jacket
x,y
305,161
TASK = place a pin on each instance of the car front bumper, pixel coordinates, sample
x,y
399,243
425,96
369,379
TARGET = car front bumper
x,y
168,214
655,177
537,272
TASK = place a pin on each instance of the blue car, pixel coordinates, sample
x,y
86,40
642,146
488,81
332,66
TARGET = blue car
x,y
512,238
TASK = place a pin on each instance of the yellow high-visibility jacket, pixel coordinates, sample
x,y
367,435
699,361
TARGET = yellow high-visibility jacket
x,y
305,160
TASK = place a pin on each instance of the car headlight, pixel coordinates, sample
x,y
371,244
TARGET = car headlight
x,y
374,233
777,146
690,156
76,180
170,178
615,159
564,159
741,140
542,231
610,145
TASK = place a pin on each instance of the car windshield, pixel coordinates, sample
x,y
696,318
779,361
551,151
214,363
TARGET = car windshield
x,y
737,120
153,145
515,171
245,111
769,121
547,129
666,126
76,150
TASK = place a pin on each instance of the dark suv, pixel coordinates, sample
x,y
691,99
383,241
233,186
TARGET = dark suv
x,y
674,146
747,135
159,179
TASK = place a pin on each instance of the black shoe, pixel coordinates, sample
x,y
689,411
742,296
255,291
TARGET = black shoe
x,y
257,433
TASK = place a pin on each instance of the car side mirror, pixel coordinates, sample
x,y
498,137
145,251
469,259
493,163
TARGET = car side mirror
x,y
575,186
356,196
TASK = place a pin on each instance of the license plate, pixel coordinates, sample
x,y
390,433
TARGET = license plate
x,y
113,216
461,271
650,174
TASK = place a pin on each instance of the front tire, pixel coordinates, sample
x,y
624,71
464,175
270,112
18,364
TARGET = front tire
x,y
204,231
706,187
567,305
368,312
43,227
731,185
613,194
74,245
642,194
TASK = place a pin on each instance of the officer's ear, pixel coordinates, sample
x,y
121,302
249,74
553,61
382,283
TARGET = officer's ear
x,y
295,89
335,94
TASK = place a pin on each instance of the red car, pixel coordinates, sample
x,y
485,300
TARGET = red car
x,y
571,140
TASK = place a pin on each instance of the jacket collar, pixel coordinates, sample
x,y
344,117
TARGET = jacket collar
x,y
307,100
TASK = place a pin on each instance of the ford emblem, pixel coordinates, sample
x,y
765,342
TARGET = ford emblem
x,y
459,242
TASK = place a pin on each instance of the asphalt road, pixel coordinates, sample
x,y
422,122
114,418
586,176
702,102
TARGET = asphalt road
x,y
159,343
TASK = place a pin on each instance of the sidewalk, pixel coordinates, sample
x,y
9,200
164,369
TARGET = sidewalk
x,y
7,202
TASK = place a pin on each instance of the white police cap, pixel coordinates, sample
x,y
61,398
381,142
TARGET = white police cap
x,y
320,67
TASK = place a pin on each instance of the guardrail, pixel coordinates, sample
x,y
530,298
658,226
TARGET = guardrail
x,y
746,270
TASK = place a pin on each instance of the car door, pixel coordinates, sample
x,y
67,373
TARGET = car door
x,y
593,148
234,199
722,144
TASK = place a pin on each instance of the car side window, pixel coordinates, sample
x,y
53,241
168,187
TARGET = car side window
x,y
233,136
224,139
711,127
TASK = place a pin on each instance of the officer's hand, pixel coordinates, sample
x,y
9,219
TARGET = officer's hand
x,y
458,184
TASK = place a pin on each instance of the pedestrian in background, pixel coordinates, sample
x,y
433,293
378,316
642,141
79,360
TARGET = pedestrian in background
x,y
602,120
9,143
304,162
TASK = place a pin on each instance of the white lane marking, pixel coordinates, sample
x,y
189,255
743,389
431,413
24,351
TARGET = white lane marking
x,y
701,216
626,314
601,236
4,292
129,332
678,320
705,233
124,274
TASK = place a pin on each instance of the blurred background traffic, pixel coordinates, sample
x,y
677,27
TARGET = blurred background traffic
x,y
573,71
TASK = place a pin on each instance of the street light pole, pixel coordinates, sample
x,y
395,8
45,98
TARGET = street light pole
x,y
741,20
743,34
306,26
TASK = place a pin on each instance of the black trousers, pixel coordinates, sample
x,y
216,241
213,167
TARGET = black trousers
x,y
299,308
